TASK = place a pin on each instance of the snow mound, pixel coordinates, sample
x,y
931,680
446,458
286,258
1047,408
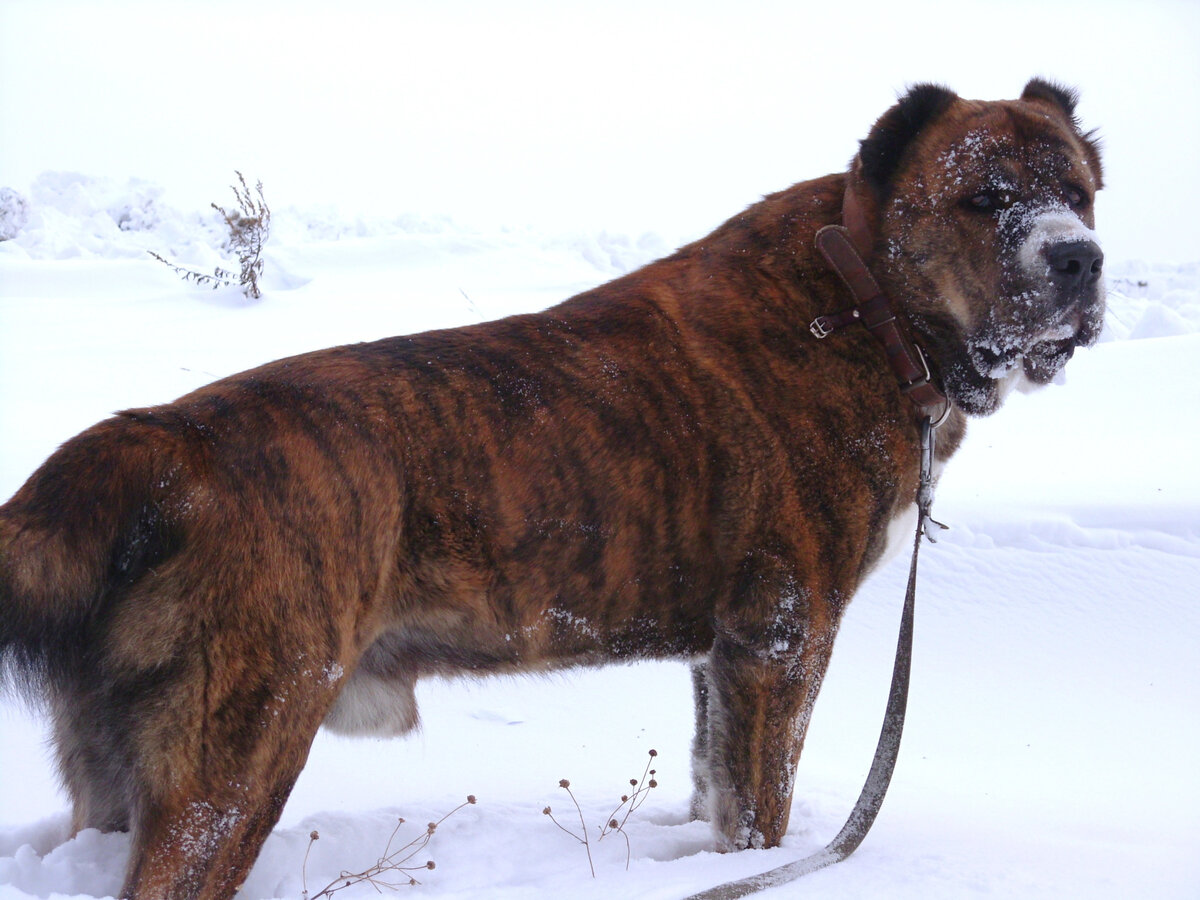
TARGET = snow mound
x,y
1152,300
72,216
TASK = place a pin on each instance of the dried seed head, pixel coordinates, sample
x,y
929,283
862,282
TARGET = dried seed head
x,y
431,827
471,799
653,783
624,798
613,824
633,781
431,865
314,836
563,783
546,811
654,753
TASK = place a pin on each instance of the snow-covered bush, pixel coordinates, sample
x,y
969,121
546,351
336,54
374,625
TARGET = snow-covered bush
x,y
249,227
14,213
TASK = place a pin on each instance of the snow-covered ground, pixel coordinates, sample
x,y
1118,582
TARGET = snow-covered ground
x,y
1051,745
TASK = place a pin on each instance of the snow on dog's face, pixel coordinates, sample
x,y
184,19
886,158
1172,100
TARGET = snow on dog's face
x,y
987,225
1062,260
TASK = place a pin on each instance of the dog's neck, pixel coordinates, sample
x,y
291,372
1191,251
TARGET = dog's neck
x,y
844,247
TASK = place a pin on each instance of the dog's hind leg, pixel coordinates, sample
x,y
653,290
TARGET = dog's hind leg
x,y
217,751
196,846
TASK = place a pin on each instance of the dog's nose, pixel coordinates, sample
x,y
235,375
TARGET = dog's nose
x,y
1075,265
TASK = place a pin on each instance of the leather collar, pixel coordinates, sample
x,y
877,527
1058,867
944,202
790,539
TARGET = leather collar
x,y
843,247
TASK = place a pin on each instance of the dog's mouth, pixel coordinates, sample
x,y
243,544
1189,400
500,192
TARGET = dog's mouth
x,y
1041,358
993,361
1046,359
1042,355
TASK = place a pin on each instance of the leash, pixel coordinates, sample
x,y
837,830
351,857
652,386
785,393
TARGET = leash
x,y
842,248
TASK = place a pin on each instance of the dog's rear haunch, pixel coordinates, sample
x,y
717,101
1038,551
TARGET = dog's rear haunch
x,y
670,465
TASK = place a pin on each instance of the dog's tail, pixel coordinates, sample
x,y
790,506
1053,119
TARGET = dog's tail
x,y
89,521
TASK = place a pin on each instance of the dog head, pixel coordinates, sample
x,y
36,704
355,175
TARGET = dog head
x,y
982,215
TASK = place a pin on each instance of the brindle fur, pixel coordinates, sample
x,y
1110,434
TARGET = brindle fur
x,y
669,465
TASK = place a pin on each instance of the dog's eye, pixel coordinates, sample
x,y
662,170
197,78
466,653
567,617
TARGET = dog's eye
x,y
1076,197
990,201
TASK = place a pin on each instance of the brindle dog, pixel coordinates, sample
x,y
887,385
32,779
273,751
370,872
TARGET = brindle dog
x,y
670,465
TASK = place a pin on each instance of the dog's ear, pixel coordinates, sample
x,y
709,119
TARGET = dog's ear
x,y
882,151
1064,98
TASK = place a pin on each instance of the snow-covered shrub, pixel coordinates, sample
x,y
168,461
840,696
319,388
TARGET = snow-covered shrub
x,y
136,208
14,213
249,227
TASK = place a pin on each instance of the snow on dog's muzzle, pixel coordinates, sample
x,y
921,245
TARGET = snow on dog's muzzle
x,y
1063,252
1063,255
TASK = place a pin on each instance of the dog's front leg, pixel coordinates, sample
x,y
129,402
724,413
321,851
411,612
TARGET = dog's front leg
x,y
759,703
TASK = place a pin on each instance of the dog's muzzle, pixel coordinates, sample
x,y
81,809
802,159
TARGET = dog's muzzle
x,y
1074,272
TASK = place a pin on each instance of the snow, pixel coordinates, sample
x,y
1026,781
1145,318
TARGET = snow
x,y
1055,709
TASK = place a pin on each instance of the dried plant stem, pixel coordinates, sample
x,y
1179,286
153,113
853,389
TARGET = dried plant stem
x,y
219,277
582,836
628,804
249,226
391,870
